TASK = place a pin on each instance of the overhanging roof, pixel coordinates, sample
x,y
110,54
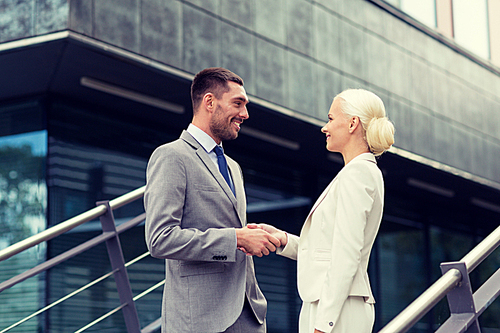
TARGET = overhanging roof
x,y
69,65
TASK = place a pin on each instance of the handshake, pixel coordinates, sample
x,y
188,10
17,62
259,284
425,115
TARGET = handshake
x,y
259,239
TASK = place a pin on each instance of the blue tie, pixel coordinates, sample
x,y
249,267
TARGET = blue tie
x,y
221,160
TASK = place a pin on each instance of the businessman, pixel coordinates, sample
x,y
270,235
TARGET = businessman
x,y
196,218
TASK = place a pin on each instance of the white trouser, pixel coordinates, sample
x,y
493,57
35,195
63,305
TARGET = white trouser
x,y
356,316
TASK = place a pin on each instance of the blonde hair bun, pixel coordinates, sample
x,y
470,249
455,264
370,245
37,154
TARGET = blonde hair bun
x,y
371,112
379,135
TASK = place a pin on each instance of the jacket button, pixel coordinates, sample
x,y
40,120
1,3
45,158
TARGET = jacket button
x,y
331,323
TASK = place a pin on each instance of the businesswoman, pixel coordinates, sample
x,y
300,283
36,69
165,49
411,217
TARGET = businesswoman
x,y
334,246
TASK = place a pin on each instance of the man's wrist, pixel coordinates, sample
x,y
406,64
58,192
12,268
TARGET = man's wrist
x,y
238,234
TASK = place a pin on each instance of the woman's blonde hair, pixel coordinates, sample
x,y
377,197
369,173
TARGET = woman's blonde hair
x,y
379,130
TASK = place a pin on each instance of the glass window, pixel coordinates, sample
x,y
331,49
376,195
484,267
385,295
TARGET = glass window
x,y
446,246
470,25
22,186
80,175
422,10
400,262
489,318
275,195
276,274
23,202
395,3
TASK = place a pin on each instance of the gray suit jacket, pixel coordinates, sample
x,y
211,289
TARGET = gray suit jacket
x,y
191,214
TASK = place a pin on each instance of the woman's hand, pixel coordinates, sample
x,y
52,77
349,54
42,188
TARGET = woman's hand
x,y
281,235
316,331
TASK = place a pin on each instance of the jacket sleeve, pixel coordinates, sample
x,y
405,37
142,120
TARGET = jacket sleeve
x,y
349,207
164,200
291,248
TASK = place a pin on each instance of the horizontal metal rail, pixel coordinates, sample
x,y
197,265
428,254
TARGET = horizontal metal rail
x,y
482,299
437,291
67,225
153,327
109,234
419,307
83,288
60,300
121,306
70,253
136,298
400,324
482,250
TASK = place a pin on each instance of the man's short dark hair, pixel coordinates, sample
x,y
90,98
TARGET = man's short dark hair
x,y
213,80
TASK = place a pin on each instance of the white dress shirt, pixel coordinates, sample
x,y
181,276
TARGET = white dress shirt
x,y
208,144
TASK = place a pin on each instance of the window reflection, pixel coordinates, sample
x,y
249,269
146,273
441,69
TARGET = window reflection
x,y
80,175
23,192
23,202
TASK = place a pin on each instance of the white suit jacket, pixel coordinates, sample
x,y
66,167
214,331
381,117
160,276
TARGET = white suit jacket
x,y
334,246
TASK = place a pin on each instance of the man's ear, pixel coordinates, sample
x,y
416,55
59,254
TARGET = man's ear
x,y
208,102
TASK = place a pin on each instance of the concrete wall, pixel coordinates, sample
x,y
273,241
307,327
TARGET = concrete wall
x,y
299,54
25,18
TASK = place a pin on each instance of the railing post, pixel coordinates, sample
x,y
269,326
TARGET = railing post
x,y
121,277
461,302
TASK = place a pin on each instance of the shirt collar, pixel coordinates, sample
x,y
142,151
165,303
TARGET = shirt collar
x,y
203,138
366,156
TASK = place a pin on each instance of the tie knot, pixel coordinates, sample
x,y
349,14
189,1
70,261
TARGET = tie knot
x,y
218,151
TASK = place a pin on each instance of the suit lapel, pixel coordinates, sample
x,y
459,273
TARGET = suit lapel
x,y
202,154
367,156
205,159
240,201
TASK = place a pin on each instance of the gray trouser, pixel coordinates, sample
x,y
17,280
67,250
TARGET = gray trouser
x,y
246,322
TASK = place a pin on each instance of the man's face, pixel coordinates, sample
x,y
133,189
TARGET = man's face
x,y
230,111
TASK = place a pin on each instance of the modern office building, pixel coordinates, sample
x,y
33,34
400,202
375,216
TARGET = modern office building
x,y
89,88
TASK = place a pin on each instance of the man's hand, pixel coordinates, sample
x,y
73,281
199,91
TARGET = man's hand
x,y
256,241
280,235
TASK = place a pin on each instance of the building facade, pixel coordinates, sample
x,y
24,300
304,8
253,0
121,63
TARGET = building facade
x,y
89,88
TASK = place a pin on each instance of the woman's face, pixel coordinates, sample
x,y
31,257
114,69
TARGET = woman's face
x,y
336,129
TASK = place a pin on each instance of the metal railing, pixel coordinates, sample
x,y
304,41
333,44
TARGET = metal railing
x,y
465,306
110,233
